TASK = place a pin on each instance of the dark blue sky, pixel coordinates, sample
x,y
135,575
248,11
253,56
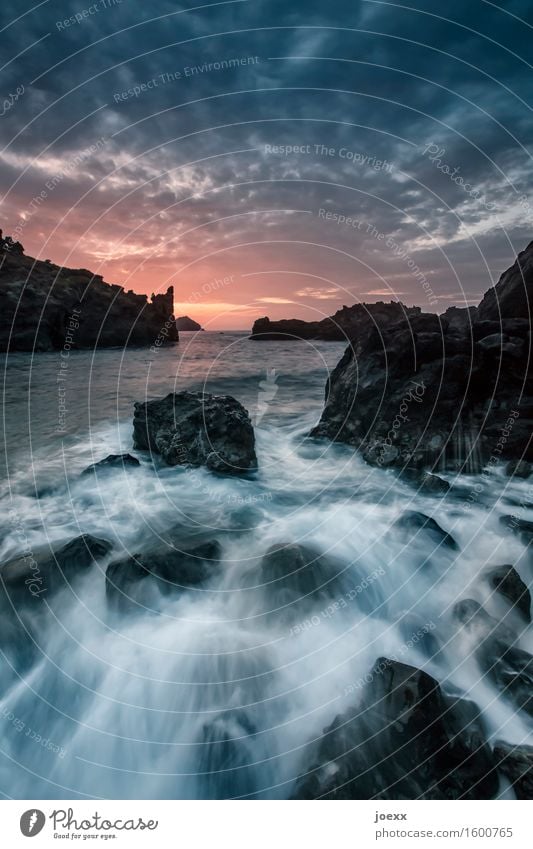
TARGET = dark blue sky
x,y
149,140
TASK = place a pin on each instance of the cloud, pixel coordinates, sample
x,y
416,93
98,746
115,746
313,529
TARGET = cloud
x,y
185,185
391,292
273,301
317,294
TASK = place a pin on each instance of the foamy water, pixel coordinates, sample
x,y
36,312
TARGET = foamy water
x,y
217,693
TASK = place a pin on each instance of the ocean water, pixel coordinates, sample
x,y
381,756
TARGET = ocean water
x,y
218,692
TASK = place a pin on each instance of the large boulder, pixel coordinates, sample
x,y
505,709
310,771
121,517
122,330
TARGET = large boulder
x,y
405,740
438,392
138,582
196,429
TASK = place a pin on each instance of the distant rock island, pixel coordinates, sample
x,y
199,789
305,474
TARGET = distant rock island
x,y
186,323
346,324
44,306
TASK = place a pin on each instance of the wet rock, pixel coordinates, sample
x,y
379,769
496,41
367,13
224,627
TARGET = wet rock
x,y
35,575
294,573
476,620
405,740
112,461
190,428
518,469
507,581
522,527
412,523
516,763
509,668
426,482
138,582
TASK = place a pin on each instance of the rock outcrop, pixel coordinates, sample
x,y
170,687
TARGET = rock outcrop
x,y
187,324
405,740
348,323
446,392
196,429
45,307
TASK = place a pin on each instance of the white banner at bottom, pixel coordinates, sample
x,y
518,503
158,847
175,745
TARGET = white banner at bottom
x,y
267,824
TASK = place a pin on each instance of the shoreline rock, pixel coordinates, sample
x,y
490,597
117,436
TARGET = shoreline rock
x,y
441,392
406,739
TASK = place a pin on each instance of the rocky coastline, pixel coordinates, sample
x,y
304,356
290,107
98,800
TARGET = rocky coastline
x,y
44,306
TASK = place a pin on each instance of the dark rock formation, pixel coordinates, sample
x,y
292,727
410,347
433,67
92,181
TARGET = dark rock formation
x,y
405,740
112,461
348,323
45,307
32,576
411,523
187,324
440,391
139,582
190,428
516,762
507,581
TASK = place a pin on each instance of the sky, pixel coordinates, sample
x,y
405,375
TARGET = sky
x,y
267,157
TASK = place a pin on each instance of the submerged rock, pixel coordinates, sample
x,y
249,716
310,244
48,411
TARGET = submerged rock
x,y
518,469
112,461
509,668
507,581
405,740
522,527
139,581
426,482
516,763
190,428
33,576
413,523
294,571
